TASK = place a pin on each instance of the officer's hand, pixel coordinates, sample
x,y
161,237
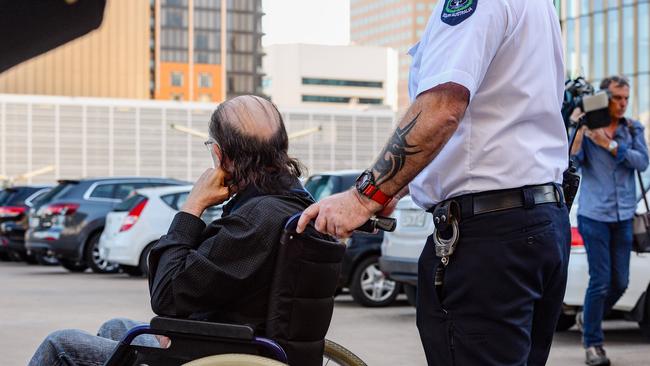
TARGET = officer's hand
x,y
209,190
339,215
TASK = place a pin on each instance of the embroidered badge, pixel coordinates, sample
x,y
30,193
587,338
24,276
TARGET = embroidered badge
x,y
455,11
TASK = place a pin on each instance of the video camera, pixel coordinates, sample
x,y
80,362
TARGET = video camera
x,y
578,93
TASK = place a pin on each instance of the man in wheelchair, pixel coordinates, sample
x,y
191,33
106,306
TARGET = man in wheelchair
x,y
221,272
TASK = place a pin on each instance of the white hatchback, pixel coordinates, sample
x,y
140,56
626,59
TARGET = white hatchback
x,y
401,250
139,221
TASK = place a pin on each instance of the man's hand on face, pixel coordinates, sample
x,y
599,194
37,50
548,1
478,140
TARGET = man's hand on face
x,y
339,215
599,137
209,190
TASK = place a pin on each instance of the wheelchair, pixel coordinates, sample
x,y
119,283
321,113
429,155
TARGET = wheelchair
x,y
196,343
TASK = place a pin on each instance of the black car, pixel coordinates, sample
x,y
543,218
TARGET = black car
x,y
15,203
68,221
360,271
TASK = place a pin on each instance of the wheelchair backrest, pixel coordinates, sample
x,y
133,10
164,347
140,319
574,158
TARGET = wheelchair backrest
x,y
301,299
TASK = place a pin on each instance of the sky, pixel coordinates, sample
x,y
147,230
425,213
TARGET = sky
x,y
306,21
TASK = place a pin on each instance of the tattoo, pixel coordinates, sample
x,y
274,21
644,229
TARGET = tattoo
x,y
393,157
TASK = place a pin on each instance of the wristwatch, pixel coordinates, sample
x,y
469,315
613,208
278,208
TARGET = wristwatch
x,y
613,145
367,187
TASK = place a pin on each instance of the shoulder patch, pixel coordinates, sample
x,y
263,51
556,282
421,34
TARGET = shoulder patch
x,y
455,11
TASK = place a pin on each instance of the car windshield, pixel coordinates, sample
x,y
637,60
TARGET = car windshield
x,y
129,203
5,195
56,192
320,186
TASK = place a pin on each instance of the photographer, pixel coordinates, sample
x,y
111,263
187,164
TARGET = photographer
x,y
607,158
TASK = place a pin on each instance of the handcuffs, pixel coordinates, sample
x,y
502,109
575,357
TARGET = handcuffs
x,y
446,218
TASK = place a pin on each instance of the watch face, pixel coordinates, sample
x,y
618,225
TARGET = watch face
x,y
363,181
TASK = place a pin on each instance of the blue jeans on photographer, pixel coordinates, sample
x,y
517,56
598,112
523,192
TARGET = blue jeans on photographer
x,y
72,347
608,246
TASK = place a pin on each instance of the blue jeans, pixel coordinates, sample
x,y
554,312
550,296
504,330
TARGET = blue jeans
x,y
72,347
608,246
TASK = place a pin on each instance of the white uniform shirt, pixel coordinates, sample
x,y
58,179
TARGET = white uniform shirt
x,y
508,54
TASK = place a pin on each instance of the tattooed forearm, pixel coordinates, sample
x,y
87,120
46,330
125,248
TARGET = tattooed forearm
x,y
393,157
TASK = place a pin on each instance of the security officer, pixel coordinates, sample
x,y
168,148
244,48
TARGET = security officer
x,y
483,147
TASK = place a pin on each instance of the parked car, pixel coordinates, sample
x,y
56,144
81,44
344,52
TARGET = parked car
x,y
401,250
69,220
360,270
139,221
15,203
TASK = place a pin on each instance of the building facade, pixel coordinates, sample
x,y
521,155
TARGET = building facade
x,y
301,75
154,49
93,137
391,23
610,37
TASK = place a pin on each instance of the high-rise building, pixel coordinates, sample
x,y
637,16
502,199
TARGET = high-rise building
x,y
391,23
306,75
156,49
610,37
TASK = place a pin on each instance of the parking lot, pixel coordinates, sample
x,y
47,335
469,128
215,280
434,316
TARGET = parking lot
x,y
36,300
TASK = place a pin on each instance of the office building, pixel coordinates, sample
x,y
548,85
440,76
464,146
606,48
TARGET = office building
x,y
301,75
157,49
391,23
610,37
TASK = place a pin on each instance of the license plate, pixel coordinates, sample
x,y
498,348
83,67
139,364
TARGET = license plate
x,y
413,218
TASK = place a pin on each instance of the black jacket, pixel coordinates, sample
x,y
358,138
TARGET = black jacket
x,y
222,272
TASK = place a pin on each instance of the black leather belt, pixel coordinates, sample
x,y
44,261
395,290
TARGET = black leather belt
x,y
492,201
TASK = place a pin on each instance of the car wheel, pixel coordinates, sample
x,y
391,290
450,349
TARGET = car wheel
x,y
46,260
144,260
370,287
96,263
411,294
565,322
72,266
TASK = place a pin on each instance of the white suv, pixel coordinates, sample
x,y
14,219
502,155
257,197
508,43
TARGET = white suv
x,y
138,222
401,250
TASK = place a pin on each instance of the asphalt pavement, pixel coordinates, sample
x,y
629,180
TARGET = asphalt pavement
x,y
36,300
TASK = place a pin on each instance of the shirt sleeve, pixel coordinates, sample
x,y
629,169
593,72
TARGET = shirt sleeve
x,y
634,155
190,270
462,53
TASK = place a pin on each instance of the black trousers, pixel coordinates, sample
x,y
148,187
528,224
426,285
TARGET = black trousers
x,y
502,291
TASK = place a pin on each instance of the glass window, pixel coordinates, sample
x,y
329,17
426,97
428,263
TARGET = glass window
x,y
177,79
628,40
598,5
612,42
320,186
571,59
599,46
325,99
205,80
419,20
584,6
644,37
335,82
180,201
370,101
632,100
103,191
644,98
572,8
585,47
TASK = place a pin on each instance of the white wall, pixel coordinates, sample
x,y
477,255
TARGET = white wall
x,y
93,137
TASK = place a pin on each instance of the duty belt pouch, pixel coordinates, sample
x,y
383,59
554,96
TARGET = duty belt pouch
x,y
446,217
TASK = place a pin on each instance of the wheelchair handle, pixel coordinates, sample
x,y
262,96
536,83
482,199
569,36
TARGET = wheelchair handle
x,y
378,223
371,226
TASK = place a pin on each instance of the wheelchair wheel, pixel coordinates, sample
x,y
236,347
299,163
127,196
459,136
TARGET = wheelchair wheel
x,y
335,354
234,359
